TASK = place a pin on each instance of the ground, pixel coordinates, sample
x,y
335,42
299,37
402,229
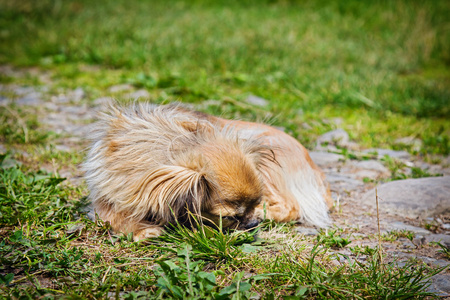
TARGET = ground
x,y
350,169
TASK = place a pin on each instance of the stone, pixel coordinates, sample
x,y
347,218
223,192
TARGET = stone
x,y
51,106
73,110
257,101
57,121
307,231
306,126
24,90
343,181
335,137
440,263
210,102
413,198
75,228
371,174
391,153
120,88
140,94
444,239
2,149
399,226
337,121
416,144
90,212
10,162
371,165
419,240
60,99
77,95
103,101
63,148
78,130
31,99
440,285
4,100
322,158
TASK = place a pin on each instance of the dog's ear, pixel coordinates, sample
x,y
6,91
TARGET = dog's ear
x,y
261,155
168,192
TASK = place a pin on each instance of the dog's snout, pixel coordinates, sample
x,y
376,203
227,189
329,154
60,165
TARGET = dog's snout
x,y
251,224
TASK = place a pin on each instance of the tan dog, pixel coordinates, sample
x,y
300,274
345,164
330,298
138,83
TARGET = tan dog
x,y
150,165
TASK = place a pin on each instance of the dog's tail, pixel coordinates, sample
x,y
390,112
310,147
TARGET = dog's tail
x,y
309,191
302,180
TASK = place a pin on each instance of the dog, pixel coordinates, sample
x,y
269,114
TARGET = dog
x,y
149,166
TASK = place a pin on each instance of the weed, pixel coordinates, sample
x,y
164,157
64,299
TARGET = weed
x,y
311,277
396,234
444,249
432,226
184,279
269,224
329,238
398,170
366,250
209,244
18,127
29,198
348,154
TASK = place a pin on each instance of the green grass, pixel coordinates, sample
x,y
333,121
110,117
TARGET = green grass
x,y
208,244
381,66
18,127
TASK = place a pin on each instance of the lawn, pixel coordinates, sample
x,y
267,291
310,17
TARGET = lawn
x,y
381,68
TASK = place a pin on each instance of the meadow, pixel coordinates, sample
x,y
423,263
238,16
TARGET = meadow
x,y
381,67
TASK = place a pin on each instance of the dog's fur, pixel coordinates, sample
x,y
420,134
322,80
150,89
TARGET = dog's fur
x,y
150,165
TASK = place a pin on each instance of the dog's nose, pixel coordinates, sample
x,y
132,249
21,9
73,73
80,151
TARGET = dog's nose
x,y
251,224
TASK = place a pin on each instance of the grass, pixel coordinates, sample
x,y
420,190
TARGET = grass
x,y
50,249
207,243
18,127
380,68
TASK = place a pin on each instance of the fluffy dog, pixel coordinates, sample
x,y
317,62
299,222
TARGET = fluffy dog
x,y
150,165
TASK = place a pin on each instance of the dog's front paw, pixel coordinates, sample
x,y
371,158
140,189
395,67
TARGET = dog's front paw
x,y
149,232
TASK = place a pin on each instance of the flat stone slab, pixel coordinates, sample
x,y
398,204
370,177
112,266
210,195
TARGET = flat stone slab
x,y
371,165
444,239
325,158
257,101
402,226
392,153
440,285
338,136
307,231
413,198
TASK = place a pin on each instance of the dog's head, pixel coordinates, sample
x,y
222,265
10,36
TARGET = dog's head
x,y
234,185
224,186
